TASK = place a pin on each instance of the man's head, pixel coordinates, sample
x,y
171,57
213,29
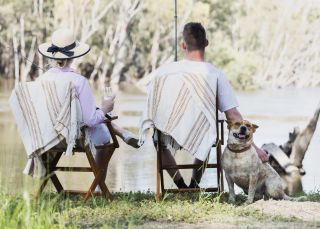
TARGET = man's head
x,y
194,37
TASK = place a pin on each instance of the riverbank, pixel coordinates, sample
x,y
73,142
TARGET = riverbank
x,y
132,210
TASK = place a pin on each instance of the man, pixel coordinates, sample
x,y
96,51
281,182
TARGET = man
x,y
193,67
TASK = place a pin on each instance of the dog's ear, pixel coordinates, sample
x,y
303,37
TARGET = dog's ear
x,y
255,127
229,124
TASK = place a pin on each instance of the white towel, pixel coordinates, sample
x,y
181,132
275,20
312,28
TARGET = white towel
x,y
46,112
183,106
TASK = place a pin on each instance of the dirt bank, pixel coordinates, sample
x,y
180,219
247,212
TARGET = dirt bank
x,y
298,215
306,211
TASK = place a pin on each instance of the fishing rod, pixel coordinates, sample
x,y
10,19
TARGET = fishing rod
x,y
176,32
33,65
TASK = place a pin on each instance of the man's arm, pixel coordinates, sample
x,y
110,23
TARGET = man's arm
x,y
234,115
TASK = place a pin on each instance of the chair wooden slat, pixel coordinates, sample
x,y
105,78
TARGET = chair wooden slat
x,y
81,149
78,192
188,166
52,167
191,190
74,169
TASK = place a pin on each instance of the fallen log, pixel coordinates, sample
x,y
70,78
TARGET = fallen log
x,y
303,139
287,159
289,173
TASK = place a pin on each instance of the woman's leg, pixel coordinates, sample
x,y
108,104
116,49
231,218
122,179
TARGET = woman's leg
x,y
126,136
102,159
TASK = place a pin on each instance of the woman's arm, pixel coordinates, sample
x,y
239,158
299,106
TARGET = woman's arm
x,y
91,115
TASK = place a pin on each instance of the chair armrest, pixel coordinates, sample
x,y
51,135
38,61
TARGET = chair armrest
x,y
108,121
221,130
110,118
220,133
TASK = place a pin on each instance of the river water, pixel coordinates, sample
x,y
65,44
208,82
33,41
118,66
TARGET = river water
x,y
275,111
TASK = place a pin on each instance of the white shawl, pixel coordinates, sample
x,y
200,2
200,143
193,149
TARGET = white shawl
x,y
45,112
183,106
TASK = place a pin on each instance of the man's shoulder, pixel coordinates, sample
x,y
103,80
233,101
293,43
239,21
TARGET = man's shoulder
x,y
201,67
213,68
174,67
168,67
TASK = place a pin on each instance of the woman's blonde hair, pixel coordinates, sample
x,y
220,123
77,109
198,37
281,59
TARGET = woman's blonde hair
x,y
63,62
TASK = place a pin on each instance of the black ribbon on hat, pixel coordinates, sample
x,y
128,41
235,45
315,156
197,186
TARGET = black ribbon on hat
x,y
65,50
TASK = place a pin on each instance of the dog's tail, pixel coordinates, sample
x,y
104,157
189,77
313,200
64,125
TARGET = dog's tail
x,y
297,199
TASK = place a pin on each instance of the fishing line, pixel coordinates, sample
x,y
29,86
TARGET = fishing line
x,y
33,66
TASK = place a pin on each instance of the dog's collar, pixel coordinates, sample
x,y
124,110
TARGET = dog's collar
x,y
239,150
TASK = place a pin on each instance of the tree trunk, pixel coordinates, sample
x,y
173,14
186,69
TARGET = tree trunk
x,y
16,57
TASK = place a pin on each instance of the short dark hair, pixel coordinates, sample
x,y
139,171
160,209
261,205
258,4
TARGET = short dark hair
x,y
195,36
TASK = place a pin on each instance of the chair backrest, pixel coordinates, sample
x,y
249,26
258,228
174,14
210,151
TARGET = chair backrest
x,y
184,106
45,112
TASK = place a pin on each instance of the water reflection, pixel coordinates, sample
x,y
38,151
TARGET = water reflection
x,y
276,112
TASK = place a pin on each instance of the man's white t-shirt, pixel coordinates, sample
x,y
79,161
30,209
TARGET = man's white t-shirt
x,y
226,97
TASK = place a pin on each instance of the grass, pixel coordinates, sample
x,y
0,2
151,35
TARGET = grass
x,y
127,210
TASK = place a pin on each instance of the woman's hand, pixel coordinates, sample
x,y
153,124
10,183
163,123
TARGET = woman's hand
x,y
107,104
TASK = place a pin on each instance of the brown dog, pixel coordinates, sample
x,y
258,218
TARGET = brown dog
x,y
243,167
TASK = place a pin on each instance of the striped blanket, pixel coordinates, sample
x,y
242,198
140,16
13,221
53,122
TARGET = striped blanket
x,y
46,112
183,107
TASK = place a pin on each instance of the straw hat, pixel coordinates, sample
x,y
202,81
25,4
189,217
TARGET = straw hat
x,y
63,45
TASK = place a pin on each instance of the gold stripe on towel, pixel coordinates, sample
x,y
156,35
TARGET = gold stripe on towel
x,y
49,102
196,133
200,136
201,93
158,86
196,125
31,112
65,111
179,108
205,90
34,117
25,113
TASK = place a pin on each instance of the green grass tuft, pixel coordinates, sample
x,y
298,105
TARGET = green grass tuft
x,y
127,210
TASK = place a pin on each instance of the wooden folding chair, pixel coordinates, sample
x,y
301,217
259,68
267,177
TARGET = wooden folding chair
x,y
56,152
217,145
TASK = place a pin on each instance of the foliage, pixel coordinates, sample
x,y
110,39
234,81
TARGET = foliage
x,y
257,44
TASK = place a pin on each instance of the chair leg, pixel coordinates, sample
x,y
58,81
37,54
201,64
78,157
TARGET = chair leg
x,y
102,184
56,183
221,182
51,175
94,170
98,180
160,182
158,177
219,169
54,177
98,176
42,186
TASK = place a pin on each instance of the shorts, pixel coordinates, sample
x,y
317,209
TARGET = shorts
x,y
99,134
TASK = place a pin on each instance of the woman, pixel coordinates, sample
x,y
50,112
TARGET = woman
x,y
63,49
